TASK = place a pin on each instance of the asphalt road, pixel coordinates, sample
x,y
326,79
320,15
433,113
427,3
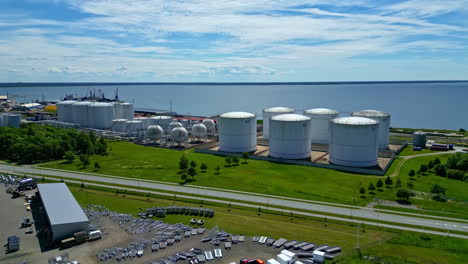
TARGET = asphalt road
x,y
346,211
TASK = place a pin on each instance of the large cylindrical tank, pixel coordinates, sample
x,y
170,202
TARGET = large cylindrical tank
x,y
320,124
123,111
162,121
354,141
80,113
179,135
173,125
237,132
199,131
65,111
100,115
134,126
271,112
119,125
384,124
144,120
210,125
154,132
10,120
419,139
290,136
1,120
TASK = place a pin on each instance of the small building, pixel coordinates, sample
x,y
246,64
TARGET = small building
x,y
64,214
319,256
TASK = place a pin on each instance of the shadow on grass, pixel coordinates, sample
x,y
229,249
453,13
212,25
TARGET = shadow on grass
x,y
380,190
403,202
363,196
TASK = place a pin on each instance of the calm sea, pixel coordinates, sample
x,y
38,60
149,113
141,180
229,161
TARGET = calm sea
x,y
414,105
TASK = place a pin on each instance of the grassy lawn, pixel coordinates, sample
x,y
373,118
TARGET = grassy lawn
x,y
399,247
408,151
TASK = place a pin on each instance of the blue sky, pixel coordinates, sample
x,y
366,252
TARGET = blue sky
x,y
233,40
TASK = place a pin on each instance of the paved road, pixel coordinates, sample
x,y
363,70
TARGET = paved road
x,y
245,197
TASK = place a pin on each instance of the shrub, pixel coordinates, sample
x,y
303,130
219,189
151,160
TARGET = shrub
x,y
455,174
403,194
440,170
411,173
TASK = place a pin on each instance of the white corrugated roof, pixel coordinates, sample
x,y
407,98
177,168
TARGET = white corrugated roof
x,y
161,117
321,111
237,115
134,121
354,120
60,205
279,109
290,117
370,113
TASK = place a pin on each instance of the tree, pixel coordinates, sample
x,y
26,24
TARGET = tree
x,y
203,167
379,183
411,173
193,164
371,187
440,170
235,160
97,165
183,177
183,163
462,130
69,156
455,174
403,194
423,168
388,181
192,171
101,146
362,190
436,161
84,160
409,185
430,165
217,169
398,184
245,156
228,160
82,186
437,189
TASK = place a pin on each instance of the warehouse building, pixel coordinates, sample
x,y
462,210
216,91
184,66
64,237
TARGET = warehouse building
x,y
64,215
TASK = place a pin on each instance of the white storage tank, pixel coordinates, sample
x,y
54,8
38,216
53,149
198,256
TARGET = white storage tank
x,y
154,133
199,131
173,125
210,126
144,120
320,124
134,126
1,120
384,124
80,113
271,112
290,136
179,136
10,120
100,115
127,111
162,121
64,111
354,141
119,125
237,132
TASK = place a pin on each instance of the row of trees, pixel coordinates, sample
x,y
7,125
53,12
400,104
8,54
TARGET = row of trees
x,y
190,168
456,167
32,143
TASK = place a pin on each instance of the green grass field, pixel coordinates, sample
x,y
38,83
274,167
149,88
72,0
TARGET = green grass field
x,y
400,247
134,161
408,151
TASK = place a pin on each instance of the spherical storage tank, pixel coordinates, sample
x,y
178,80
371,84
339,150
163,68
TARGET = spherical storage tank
x,y
80,113
237,132
162,121
154,132
119,125
199,131
179,135
134,126
173,125
419,139
320,124
290,136
384,124
210,125
64,111
100,115
353,141
271,112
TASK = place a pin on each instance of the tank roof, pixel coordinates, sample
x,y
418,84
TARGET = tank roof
x,y
354,120
100,104
67,102
82,103
419,133
370,113
321,111
120,120
161,117
290,118
237,115
134,121
279,109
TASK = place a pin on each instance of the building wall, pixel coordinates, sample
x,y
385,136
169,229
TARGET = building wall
x,y
62,231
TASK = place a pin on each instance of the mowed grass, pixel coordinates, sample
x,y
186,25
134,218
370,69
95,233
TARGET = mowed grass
x,y
135,161
408,151
399,247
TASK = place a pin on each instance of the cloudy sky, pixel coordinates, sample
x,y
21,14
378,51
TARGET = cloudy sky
x,y
233,40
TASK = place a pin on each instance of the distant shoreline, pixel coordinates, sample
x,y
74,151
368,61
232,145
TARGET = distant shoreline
x,y
39,84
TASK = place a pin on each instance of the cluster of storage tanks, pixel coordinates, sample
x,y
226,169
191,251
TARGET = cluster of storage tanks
x,y
10,119
353,141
